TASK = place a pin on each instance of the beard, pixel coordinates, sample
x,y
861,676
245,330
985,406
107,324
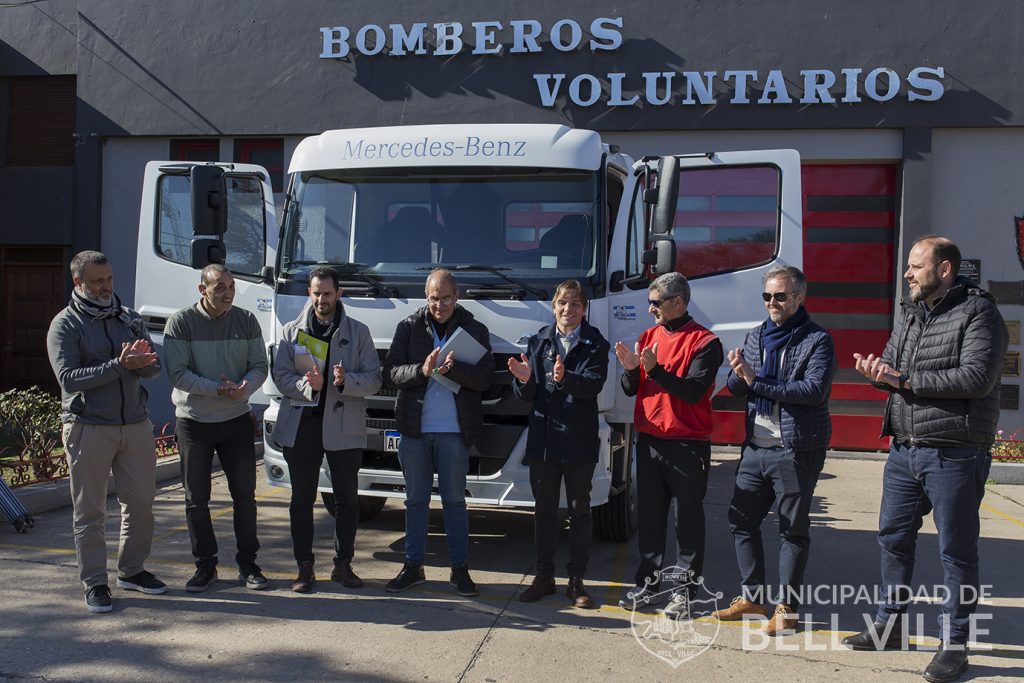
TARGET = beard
x,y
925,287
101,300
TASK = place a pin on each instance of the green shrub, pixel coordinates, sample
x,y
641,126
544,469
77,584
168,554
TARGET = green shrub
x,y
31,429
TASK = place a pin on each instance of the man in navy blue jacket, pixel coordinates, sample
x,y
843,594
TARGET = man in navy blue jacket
x,y
785,371
561,375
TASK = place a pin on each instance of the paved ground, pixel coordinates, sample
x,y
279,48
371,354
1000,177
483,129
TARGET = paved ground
x,y
432,634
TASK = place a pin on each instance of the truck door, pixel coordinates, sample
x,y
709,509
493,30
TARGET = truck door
x,y
728,217
165,280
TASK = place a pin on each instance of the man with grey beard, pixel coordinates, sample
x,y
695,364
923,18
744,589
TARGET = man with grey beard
x,y
941,368
100,351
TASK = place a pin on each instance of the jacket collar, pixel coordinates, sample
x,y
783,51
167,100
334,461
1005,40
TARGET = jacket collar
x,y
300,319
962,288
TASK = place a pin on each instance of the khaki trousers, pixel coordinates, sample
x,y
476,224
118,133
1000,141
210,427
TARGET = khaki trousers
x,y
93,452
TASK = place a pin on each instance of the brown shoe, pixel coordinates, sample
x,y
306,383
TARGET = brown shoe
x,y
344,575
577,592
541,586
304,581
737,608
783,620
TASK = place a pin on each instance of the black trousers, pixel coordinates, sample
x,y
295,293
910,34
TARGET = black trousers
x,y
233,442
667,469
304,460
546,481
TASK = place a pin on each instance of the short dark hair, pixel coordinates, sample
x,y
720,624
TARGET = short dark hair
x,y
97,258
572,288
943,249
324,273
208,272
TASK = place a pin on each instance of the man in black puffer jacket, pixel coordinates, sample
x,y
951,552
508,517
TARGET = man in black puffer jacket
x,y
785,371
437,425
942,367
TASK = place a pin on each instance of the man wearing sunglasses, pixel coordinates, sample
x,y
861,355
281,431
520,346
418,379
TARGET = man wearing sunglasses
x,y
941,368
671,370
784,371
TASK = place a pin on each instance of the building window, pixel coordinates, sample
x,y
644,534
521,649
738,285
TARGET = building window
x,y
42,121
195,149
265,152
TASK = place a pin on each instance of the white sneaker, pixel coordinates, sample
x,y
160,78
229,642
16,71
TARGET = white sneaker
x,y
639,597
678,607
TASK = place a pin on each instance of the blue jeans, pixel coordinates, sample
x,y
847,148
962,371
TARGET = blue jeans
x,y
764,475
951,483
447,455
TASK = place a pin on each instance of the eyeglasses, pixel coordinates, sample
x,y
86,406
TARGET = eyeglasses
x,y
658,302
778,296
443,301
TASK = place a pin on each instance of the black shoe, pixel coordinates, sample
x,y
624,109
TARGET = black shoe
x,y
873,638
542,585
947,664
144,582
97,599
411,575
253,578
203,578
459,578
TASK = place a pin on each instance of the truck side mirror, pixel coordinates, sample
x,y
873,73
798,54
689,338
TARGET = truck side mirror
x,y
662,256
207,250
668,195
209,201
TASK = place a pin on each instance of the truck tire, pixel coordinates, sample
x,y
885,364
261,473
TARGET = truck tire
x,y
369,506
616,520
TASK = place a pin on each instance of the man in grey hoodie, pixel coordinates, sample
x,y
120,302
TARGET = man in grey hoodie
x,y
100,351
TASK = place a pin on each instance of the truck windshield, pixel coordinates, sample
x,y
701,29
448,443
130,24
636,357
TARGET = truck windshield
x,y
538,227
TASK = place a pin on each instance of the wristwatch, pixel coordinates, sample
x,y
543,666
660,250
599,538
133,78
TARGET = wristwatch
x,y
904,378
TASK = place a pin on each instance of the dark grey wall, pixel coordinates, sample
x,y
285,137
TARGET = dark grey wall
x,y
190,67
39,38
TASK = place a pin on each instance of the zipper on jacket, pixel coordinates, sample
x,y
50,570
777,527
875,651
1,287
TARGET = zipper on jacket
x,y
120,381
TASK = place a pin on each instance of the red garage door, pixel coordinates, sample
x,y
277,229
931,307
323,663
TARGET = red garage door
x,y
849,234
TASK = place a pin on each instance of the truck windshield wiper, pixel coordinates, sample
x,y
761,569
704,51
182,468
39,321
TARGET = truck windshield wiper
x,y
541,294
352,270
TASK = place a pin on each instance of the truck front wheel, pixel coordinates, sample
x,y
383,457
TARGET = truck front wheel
x,y
369,506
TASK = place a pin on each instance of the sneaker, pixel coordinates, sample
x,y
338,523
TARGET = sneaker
x,y
143,582
204,577
459,578
253,578
678,607
410,575
97,599
639,597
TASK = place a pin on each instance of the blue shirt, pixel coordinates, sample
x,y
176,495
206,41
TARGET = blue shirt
x,y
439,415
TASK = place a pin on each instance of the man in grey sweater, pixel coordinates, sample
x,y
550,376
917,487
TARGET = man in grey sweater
x,y
215,360
99,351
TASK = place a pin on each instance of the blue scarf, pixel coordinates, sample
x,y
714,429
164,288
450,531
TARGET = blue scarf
x,y
774,339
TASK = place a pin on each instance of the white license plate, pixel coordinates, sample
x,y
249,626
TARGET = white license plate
x,y
391,440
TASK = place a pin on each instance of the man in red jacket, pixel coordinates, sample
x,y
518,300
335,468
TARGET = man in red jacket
x,y
671,371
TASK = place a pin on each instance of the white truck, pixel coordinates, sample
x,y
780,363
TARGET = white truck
x,y
513,210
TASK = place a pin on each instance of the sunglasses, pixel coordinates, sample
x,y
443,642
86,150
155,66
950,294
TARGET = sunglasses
x,y
658,302
779,296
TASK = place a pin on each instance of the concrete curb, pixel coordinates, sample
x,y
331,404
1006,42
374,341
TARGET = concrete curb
x,y
57,494
1007,473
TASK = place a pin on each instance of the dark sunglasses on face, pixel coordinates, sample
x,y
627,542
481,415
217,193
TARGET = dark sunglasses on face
x,y
658,302
778,296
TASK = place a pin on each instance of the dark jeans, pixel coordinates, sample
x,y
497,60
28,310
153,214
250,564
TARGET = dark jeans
x,y
445,454
546,482
764,475
304,460
667,469
951,483
233,441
